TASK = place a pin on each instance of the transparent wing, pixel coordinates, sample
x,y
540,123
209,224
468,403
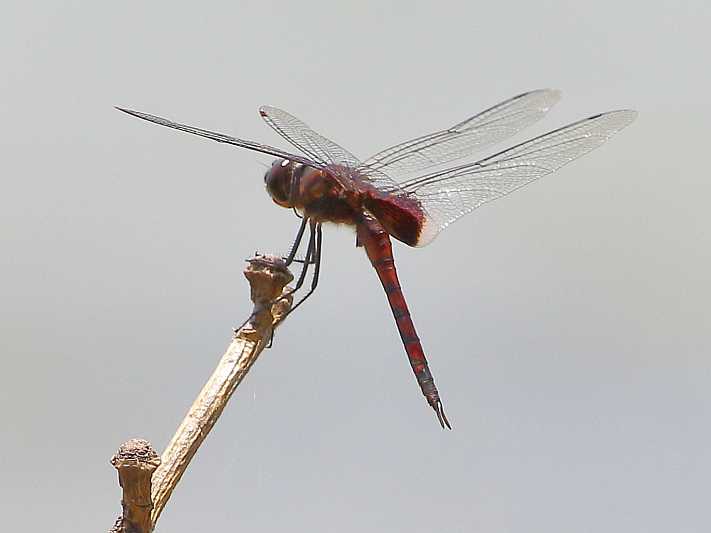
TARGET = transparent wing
x,y
220,137
461,140
316,146
449,194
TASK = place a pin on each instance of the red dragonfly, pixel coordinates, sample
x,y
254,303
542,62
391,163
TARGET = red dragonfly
x,y
404,192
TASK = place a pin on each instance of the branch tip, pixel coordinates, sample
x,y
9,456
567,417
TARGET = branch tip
x,y
136,453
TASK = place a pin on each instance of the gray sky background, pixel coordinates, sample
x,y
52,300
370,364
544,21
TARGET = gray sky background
x,y
567,325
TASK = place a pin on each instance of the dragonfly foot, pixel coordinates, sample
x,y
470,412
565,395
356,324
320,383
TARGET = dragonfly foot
x,y
302,261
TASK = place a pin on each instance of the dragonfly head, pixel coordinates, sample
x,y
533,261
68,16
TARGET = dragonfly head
x,y
278,180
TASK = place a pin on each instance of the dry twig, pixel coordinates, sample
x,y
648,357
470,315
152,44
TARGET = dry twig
x,y
267,277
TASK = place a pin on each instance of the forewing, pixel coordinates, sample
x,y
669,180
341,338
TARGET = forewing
x,y
461,140
447,195
221,137
300,135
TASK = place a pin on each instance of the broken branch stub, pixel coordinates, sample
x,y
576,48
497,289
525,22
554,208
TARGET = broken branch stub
x,y
135,461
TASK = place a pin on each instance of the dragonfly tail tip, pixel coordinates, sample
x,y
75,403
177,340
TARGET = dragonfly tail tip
x,y
439,409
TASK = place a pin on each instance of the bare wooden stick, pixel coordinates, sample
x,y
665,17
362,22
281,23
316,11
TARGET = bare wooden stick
x,y
268,277
135,460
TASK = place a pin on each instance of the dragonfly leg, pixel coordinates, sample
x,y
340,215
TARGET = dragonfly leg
x,y
308,260
297,241
313,256
317,269
302,276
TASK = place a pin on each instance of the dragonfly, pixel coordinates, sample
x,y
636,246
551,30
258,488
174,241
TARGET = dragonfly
x,y
410,191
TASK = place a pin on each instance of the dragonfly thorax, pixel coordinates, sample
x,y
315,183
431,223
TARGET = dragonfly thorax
x,y
315,192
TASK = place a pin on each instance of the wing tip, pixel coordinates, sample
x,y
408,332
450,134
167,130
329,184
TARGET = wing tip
x,y
625,116
631,113
552,94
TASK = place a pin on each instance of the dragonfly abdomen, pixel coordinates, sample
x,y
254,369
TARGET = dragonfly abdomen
x,y
376,241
